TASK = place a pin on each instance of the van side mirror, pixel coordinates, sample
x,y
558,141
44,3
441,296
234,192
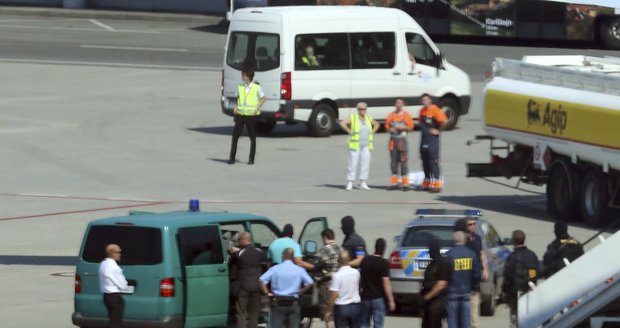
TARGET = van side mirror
x,y
310,248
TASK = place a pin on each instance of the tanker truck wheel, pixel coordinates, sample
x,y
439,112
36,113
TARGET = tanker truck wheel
x,y
562,191
594,198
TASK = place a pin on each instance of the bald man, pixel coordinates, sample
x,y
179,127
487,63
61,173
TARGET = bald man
x,y
112,283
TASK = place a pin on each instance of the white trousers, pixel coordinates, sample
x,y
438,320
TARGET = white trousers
x,y
361,158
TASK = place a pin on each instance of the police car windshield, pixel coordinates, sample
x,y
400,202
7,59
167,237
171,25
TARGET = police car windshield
x,y
257,51
421,236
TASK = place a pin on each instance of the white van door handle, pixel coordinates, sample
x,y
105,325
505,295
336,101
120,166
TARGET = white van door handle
x,y
396,73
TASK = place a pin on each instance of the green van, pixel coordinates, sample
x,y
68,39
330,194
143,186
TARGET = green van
x,y
177,263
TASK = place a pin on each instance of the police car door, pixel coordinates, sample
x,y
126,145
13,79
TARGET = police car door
x,y
205,275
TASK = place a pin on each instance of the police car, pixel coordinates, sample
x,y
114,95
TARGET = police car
x,y
411,256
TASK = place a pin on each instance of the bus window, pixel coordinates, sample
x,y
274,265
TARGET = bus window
x,y
322,51
420,49
373,50
257,51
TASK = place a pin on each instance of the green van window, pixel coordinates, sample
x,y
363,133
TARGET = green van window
x,y
200,245
140,245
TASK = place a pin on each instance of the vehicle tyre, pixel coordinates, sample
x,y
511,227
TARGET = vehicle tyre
x,y
562,192
609,32
265,127
322,120
594,198
487,308
451,108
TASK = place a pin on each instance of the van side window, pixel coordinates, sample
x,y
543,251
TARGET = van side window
x,y
141,245
420,49
373,50
258,51
263,235
200,245
322,51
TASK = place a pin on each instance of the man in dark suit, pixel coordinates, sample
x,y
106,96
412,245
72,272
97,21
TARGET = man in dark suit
x,y
248,262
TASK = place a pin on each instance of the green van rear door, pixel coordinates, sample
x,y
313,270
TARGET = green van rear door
x,y
206,276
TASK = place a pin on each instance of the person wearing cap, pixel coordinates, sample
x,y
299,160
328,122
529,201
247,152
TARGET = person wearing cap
x,y
286,241
361,129
353,242
433,294
112,283
376,288
562,247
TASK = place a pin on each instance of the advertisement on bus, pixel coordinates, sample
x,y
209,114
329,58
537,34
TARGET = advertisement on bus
x,y
483,17
580,20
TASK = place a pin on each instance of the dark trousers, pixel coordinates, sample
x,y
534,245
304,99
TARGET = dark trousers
x,y
433,312
248,309
115,305
348,316
398,156
250,125
285,316
430,164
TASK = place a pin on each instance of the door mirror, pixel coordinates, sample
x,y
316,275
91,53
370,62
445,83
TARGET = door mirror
x,y
507,241
310,248
312,232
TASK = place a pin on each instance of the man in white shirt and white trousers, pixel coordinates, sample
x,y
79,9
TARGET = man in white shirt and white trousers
x,y
345,301
113,283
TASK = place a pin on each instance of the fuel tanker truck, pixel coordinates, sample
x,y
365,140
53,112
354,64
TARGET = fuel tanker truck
x,y
555,121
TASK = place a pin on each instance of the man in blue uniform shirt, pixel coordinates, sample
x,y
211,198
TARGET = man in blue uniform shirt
x,y
465,279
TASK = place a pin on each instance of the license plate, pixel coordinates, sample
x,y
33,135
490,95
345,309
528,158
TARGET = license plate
x,y
423,264
129,290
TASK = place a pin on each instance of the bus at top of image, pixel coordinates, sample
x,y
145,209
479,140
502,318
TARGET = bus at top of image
x,y
571,20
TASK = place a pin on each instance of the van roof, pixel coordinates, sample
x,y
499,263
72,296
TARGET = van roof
x,y
305,13
175,219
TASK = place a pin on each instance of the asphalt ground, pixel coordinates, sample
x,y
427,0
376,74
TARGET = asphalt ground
x,y
92,132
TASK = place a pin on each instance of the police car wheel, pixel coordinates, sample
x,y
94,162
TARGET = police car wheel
x,y
451,108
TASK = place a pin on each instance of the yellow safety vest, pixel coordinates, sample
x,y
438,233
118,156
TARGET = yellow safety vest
x,y
354,139
307,60
247,102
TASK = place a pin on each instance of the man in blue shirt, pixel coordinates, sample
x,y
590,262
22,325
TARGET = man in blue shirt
x,y
286,241
286,280
465,279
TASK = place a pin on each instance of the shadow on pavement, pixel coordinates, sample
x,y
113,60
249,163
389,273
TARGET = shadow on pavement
x,y
533,206
280,131
219,28
38,260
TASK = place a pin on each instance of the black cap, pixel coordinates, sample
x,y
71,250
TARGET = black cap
x,y
347,224
560,229
287,231
380,245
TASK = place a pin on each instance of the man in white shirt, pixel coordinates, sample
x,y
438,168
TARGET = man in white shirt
x,y
345,298
112,283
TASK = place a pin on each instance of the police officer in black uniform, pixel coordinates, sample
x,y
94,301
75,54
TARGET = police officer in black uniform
x,y
353,243
521,267
562,247
436,279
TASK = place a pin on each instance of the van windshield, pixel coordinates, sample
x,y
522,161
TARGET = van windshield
x,y
252,50
140,245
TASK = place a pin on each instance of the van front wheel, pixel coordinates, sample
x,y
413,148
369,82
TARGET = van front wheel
x,y
322,120
451,108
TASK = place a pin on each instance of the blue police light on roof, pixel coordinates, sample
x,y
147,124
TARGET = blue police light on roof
x,y
445,212
194,205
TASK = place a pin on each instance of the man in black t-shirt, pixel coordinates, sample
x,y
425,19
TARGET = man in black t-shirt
x,y
375,287
436,279
353,243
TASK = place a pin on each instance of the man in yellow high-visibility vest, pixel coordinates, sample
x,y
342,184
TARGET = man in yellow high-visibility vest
x,y
249,102
361,129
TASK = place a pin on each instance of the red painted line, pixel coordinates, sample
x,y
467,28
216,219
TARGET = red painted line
x,y
79,211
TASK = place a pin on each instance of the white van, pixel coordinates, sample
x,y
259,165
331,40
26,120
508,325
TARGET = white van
x,y
315,63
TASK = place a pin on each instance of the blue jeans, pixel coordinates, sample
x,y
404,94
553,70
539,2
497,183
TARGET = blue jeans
x,y
458,310
347,316
374,309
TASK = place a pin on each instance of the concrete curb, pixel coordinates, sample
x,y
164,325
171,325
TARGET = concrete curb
x,y
110,14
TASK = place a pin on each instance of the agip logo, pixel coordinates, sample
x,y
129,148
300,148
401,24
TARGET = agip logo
x,y
553,117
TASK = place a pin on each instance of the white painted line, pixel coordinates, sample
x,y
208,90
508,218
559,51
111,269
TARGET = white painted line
x,y
43,195
100,24
93,46
76,29
105,64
